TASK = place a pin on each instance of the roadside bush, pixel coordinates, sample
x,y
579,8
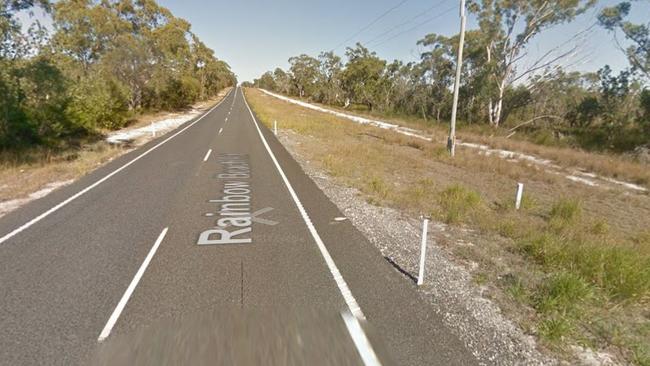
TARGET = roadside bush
x,y
180,93
99,103
562,292
377,186
585,250
16,129
457,202
33,101
565,212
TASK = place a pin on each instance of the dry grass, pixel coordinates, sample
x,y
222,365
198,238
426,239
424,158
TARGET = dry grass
x,y
27,171
614,166
572,266
18,179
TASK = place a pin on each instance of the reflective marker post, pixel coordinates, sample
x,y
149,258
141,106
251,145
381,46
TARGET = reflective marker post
x,y
520,193
423,250
275,127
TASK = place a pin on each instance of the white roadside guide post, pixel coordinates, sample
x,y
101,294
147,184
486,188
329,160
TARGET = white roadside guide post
x,y
520,193
153,130
275,127
423,250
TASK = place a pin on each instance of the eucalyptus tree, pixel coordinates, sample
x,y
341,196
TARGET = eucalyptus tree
x,y
508,26
329,89
10,26
282,81
266,81
363,76
436,72
614,18
85,32
304,73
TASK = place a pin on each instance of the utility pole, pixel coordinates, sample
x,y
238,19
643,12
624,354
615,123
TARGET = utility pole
x,y
451,141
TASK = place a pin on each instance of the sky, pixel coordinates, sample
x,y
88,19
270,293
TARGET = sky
x,y
255,36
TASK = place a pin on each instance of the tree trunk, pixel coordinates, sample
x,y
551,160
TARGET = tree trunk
x,y
488,48
498,109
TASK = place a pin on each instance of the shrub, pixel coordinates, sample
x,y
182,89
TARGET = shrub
x,y
99,103
457,202
565,212
563,292
377,186
555,328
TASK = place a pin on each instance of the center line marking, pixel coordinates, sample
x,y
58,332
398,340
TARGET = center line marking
x,y
220,130
129,290
207,155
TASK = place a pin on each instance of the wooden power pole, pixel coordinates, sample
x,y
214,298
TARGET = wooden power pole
x,y
451,141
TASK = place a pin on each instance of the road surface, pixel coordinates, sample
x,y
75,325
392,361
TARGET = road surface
x,y
207,245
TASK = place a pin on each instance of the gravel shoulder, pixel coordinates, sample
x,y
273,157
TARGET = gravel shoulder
x,y
448,286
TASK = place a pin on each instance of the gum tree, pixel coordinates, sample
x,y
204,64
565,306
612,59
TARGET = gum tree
x,y
613,19
508,27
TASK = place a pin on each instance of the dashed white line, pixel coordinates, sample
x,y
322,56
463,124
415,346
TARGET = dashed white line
x,y
350,301
129,290
220,130
207,155
102,180
368,355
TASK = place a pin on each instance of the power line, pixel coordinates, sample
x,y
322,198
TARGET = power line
x,y
416,27
370,24
410,20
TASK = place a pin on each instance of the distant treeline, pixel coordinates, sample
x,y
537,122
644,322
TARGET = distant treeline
x,y
102,63
499,86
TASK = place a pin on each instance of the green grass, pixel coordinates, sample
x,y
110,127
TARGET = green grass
x,y
457,203
555,328
620,270
565,212
562,293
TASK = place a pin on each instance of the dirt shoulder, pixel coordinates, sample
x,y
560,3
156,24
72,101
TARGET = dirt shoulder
x,y
38,172
565,278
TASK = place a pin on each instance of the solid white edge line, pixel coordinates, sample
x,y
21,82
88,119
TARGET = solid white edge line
x,y
207,155
129,290
340,282
102,180
368,355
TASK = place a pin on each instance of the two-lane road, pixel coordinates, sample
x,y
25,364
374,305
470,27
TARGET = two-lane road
x,y
213,218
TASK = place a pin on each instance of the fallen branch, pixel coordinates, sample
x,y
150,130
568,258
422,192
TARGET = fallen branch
x,y
531,121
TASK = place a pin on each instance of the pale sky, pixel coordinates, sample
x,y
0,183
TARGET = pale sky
x,y
255,36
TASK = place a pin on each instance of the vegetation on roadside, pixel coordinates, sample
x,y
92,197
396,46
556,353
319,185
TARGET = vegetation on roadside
x,y
535,99
568,266
101,64
25,171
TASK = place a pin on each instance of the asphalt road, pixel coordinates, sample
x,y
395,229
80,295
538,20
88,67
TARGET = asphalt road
x,y
208,245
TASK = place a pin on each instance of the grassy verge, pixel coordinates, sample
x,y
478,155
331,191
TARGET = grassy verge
x,y
26,171
571,267
609,165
